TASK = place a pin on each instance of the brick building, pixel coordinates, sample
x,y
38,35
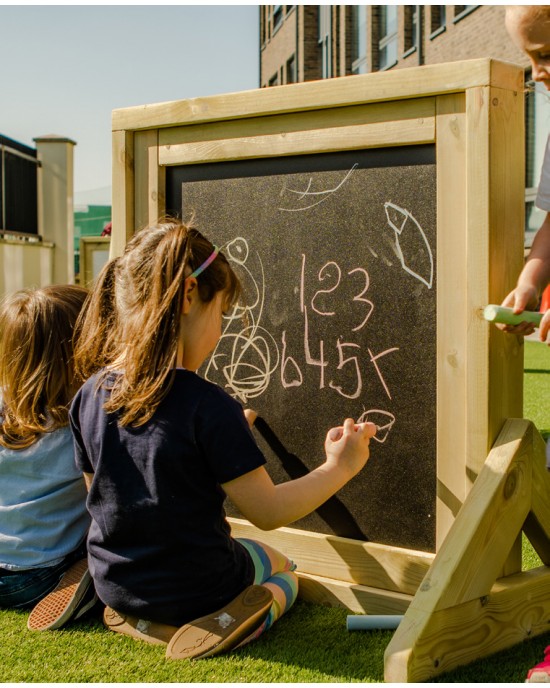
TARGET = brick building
x,y
309,42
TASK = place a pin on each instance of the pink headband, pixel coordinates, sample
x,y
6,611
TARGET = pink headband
x,y
206,263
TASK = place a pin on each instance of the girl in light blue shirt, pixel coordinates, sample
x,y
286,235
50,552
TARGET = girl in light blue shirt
x,y
43,517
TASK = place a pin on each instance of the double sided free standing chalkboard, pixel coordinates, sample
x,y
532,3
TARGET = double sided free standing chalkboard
x,y
337,257
372,218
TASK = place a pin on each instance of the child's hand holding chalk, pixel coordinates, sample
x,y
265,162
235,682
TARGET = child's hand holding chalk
x,y
506,316
523,323
335,434
348,445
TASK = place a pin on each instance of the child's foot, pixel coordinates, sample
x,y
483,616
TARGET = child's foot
x,y
73,596
223,630
150,631
541,672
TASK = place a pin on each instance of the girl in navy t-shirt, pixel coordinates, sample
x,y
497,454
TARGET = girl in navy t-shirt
x,y
161,448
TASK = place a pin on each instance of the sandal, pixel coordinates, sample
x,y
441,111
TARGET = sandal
x,y
141,629
223,630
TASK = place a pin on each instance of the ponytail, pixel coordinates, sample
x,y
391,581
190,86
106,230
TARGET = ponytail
x,y
132,321
96,325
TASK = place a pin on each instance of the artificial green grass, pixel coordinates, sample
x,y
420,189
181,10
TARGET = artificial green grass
x,y
536,389
310,644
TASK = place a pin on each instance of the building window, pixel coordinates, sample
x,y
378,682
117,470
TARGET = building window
x,y
325,40
277,17
359,39
462,11
291,76
387,46
263,33
274,81
411,28
438,20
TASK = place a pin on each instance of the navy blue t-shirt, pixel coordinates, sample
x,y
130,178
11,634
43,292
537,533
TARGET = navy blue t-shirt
x,y
159,544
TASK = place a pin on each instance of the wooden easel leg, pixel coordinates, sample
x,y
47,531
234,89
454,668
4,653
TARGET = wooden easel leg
x,y
461,612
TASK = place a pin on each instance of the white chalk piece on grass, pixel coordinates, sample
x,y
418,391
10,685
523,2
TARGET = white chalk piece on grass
x,y
373,622
506,316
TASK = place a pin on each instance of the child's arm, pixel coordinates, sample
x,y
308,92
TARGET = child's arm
x,y
270,506
533,279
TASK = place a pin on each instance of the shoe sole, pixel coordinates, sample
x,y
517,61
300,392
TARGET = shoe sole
x,y
139,629
223,630
539,677
58,606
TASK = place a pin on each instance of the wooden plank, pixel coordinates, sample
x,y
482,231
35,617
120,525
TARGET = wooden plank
x,y
356,598
477,283
467,564
144,142
364,563
375,87
418,108
506,237
401,132
507,75
517,608
452,278
489,522
157,186
494,255
537,524
123,191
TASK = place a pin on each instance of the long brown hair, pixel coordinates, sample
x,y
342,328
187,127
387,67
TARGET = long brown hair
x,y
132,321
37,379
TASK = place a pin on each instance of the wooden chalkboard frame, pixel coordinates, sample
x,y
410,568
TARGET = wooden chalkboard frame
x,y
473,112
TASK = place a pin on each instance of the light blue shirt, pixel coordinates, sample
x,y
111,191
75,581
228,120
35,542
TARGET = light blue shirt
x,y
43,513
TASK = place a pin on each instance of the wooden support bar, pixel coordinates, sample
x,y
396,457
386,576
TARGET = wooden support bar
x,y
517,608
357,598
371,113
452,337
469,560
123,191
364,563
313,141
537,525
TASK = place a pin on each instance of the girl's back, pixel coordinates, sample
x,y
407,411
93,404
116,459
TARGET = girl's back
x,y
43,517
42,502
159,543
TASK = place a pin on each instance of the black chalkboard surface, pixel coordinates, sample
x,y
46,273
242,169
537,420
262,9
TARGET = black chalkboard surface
x,y
336,253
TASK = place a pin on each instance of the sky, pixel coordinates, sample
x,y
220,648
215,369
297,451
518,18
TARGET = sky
x,y
65,68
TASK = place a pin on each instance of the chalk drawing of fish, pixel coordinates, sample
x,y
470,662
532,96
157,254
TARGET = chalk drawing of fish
x,y
412,246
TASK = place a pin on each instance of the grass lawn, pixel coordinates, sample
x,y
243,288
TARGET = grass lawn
x,y
309,645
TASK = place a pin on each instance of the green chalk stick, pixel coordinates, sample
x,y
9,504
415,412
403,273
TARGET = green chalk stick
x,y
501,314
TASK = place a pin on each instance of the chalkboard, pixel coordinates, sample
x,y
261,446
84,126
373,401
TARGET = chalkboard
x,y
337,255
